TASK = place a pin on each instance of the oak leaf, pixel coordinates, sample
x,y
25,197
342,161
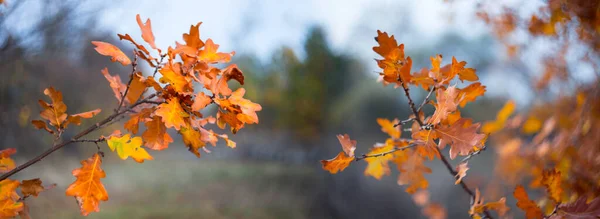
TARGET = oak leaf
x,y
114,52
10,208
462,137
136,88
192,139
387,44
411,173
338,163
426,146
447,102
156,136
146,28
138,46
552,181
377,165
470,93
31,187
579,209
115,83
171,75
210,55
348,145
200,101
7,163
39,124
172,113
87,188
133,123
128,147
54,112
523,202
389,127
461,172
479,206
192,39
76,118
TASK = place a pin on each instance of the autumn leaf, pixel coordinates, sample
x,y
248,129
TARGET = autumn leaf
x,y
426,146
114,52
129,147
532,125
531,209
156,136
411,173
138,46
7,163
461,172
210,55
192,39
348,145
421,78
172,114
434,211
389,127
462,137
192,139
133,123
501,117
338,163
136,88
551,180
10,208
146,28
248,108
200,101
388,44
229,118
115,83
172,76
579,209
76,118
31,187
377,166
470,93
55,112
39,124
479,206
447,102
87,188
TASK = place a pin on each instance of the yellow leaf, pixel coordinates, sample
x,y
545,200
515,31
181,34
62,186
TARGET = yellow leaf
x,y
501,117
387,126
127,146
378,166
338,163
532,125
172,113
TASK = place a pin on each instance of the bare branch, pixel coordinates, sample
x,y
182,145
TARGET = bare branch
x,y
364,156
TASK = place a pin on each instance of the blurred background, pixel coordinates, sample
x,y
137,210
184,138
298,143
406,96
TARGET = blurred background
x,y
309,64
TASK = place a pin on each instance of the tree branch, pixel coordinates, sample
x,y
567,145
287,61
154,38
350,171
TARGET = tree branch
x,y
431,90
411,103
462,183
76,138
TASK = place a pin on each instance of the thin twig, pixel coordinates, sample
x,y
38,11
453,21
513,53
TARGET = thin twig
x,y
162,57
404,122
462,184
431,90
134,68
474,153
89,140
364,156
410,102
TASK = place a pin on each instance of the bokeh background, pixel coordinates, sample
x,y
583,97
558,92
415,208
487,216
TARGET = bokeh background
x,y
308,63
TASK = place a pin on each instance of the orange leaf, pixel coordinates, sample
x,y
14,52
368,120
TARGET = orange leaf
x,y
411,173
461,172
532,125
230,119
31,187
551,180
470,93
114,52
387,44
387,126
156,136
192,39
501,117
248,108
172,114
462,137
210,55
146,28
10,208
138,46
7,163
435,211
39,124
446,104
115,83
136,88
338,163
87,188
192,139
55,113
425,142
8,189
202,100
348,145
172,76
531,209
133,123
76,118
479,206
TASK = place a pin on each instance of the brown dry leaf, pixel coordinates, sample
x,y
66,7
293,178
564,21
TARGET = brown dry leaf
x,y
39,124
552,181
54,112
32,187
348,145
